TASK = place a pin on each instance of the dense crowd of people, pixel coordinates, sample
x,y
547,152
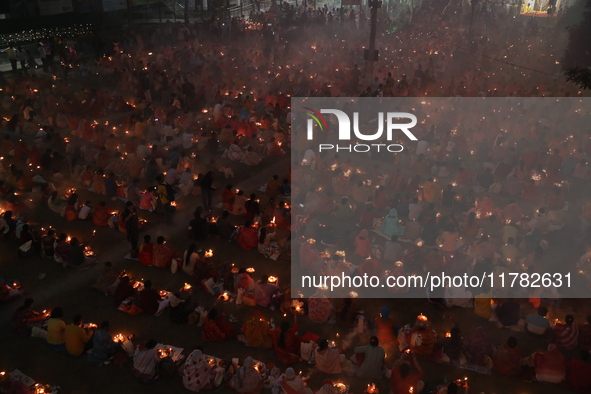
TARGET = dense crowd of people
x,y
180,113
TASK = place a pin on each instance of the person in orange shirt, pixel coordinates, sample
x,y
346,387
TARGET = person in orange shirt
x,y
77,337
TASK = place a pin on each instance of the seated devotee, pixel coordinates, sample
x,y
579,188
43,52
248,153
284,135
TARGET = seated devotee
x,y
286,343
223,227
406,375
61,250
268,247
421,338
538,324
25,318
391,225
108,279
56,329
247,237
549,366
233,153
508,313
244,280
363,244
123,291
320,309
247,379
190,259
71,211
290,383
197,373
145,362
385,328
56,204
566,335
373,360
453,347
47,243
368,217
214,328
257,332
103,345
151,301
478,347
149,200
228,198
77,337
578,373
162,254
239,204
345,210
145,252
101,215
328,359
251,158
266,294
506,359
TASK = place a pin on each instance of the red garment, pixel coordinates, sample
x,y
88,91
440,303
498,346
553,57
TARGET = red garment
x,y
145,254
162,256
578,376
506,360
367,218
379,199
100,216
286,355
566,336
400,385
363,244
227,199
149,299
216,330
248,238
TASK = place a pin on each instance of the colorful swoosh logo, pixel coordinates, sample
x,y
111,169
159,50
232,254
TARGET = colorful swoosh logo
x,y
318,118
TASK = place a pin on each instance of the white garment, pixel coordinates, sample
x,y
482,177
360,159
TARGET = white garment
x,y
422,147
84,212
187,140
171,176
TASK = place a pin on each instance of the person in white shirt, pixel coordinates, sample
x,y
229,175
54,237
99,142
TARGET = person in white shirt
x,y
86,211
186,181
414,209
171,177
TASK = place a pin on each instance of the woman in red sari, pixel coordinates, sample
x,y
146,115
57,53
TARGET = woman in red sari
x,y
215,329
71,212
146,250
101,215
363,244
228,198
379,198
506,358
162,254
247,237
320,309
286,343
